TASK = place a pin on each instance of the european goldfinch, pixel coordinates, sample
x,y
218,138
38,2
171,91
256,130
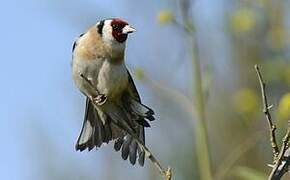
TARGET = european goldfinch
x,y
113,107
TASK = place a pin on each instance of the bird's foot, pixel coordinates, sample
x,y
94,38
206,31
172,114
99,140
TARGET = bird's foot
x,y
100,99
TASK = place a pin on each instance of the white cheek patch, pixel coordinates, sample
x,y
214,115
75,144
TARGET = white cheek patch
x,y
107,31
109,39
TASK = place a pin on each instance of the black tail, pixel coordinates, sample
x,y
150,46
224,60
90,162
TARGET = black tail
x,y
94,132
100,127
136,112
130,147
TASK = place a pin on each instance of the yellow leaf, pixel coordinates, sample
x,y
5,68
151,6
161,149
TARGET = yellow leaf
x,y
277,37
243,21
246,102
284,107
139,74
165,17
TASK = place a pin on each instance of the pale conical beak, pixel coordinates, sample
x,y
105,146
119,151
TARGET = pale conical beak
x,y
128,29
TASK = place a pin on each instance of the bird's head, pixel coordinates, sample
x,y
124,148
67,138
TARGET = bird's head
x,y
114,32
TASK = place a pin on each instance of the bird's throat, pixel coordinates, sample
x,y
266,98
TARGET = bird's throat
x,y
117,57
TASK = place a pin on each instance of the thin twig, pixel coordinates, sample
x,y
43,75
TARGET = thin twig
x,y
282,158
90,83
266,111
278,171
167,174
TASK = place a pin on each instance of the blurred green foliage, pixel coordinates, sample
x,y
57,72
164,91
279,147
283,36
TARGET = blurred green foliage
x,y
246,102
243,21
284,108
139,74
245,173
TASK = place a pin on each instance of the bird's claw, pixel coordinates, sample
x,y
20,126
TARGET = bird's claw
x,y
100,99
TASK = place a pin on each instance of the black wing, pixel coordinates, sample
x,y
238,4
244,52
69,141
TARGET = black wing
x,y
137,112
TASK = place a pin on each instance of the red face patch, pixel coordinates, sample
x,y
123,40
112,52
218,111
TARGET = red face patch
x,y
117,27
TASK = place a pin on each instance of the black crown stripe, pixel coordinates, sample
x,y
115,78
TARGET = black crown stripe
x,y
100,27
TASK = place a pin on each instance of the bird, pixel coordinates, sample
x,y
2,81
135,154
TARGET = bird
x,y
113,110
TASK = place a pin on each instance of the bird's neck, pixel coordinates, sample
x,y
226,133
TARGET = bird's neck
x,y
117,52
117,57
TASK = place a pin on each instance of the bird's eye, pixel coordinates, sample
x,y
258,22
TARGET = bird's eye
x,y
115,27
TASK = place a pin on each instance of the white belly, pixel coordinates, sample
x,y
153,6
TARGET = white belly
x,y
110,79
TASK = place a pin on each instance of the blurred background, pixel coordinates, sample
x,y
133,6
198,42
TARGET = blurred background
x,y
193,63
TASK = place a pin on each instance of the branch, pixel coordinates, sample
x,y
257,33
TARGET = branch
x,y
266,111
281,159
90,83
167,174
282,164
